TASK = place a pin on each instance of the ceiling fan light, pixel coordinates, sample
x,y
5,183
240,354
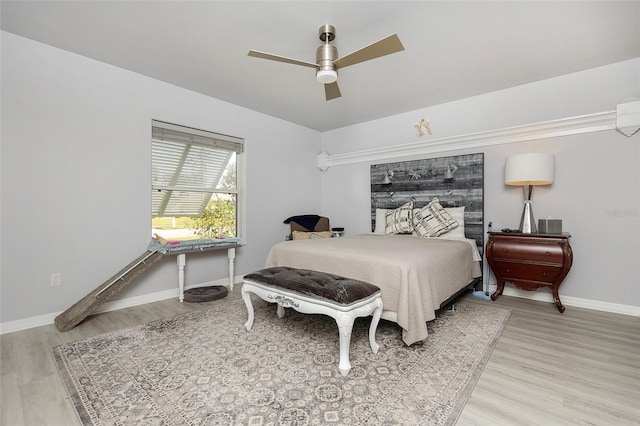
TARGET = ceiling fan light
x,y
326,76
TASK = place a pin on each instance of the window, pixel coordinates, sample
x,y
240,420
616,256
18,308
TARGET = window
x,y
195,183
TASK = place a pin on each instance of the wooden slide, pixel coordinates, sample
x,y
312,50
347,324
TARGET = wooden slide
x,y
92,301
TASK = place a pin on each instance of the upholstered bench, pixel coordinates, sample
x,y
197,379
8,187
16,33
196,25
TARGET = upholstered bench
x,y
313,292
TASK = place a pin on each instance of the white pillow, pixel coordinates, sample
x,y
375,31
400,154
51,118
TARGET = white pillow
x,y
457,213
433,220
381,217
400,220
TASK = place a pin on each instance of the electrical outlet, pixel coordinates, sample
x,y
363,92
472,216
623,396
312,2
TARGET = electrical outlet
x,y
56,279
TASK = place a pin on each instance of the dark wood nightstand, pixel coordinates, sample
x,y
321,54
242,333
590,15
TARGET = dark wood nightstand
x,y
530,261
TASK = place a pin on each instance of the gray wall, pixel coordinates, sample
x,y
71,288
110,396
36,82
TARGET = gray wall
x,y
597,185
76,176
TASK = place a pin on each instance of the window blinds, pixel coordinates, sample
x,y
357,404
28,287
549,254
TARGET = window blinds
x,y
174,133
187,168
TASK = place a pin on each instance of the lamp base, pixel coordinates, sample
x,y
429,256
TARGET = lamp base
x,y
527,222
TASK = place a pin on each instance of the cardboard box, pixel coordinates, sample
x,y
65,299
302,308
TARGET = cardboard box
x,y
550,226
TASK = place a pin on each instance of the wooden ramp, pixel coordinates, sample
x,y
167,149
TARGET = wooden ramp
x,y
92,301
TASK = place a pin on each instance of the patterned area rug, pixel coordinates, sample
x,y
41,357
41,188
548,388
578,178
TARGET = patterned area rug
x,y
204,368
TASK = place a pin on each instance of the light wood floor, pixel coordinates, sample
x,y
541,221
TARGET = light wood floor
x,y
577,368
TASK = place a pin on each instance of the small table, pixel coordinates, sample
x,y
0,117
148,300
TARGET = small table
x,y
530,261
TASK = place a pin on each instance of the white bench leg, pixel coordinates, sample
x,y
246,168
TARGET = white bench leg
x,y
247,301
374,325
345,326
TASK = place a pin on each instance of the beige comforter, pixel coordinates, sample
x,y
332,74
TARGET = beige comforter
x,y
415,274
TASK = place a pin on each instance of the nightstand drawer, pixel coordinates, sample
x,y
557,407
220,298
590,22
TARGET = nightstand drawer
x,y
524,271
533,251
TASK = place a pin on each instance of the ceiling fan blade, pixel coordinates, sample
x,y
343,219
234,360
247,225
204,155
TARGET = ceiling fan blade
x,y
332,91
386,46
272,57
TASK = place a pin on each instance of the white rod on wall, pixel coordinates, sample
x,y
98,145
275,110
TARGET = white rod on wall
x,y
563,127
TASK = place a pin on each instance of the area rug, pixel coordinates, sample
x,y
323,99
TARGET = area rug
x,y
204,368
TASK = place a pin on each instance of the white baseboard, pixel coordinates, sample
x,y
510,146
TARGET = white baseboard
x,y
23,324
546,296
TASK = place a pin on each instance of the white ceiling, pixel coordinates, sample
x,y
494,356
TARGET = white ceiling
x,y
453,50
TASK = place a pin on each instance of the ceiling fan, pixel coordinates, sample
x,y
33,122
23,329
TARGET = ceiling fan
x,y
327,61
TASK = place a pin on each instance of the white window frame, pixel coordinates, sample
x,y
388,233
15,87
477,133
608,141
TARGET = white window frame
x,y
183,134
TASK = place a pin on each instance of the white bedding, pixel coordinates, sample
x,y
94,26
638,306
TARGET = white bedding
x,y
415,274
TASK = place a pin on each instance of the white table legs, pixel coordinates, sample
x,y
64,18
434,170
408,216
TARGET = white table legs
x,y
231,255
182,262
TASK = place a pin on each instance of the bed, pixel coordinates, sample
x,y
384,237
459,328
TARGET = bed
x,y
416,274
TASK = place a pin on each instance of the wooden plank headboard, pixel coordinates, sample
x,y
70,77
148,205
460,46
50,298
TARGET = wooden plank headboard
x,y
424,179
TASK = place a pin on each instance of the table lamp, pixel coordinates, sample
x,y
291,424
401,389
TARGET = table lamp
x,y
529,170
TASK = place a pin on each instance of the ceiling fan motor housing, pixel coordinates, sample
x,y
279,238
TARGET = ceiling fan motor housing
x,y
327,72
325,55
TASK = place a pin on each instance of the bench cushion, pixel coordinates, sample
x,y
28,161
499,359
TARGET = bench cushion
x,y
334,288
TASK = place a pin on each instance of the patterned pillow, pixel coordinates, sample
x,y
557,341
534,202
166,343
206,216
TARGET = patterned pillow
x,y
400,220
300,235
433,220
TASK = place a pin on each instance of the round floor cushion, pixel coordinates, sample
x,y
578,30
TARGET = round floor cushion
x,y
205,294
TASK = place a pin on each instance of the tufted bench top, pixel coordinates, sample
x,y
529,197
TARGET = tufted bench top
x,y
334,288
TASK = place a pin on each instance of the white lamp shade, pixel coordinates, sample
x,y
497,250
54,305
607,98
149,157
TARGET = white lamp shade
x,y
326,76
530,169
